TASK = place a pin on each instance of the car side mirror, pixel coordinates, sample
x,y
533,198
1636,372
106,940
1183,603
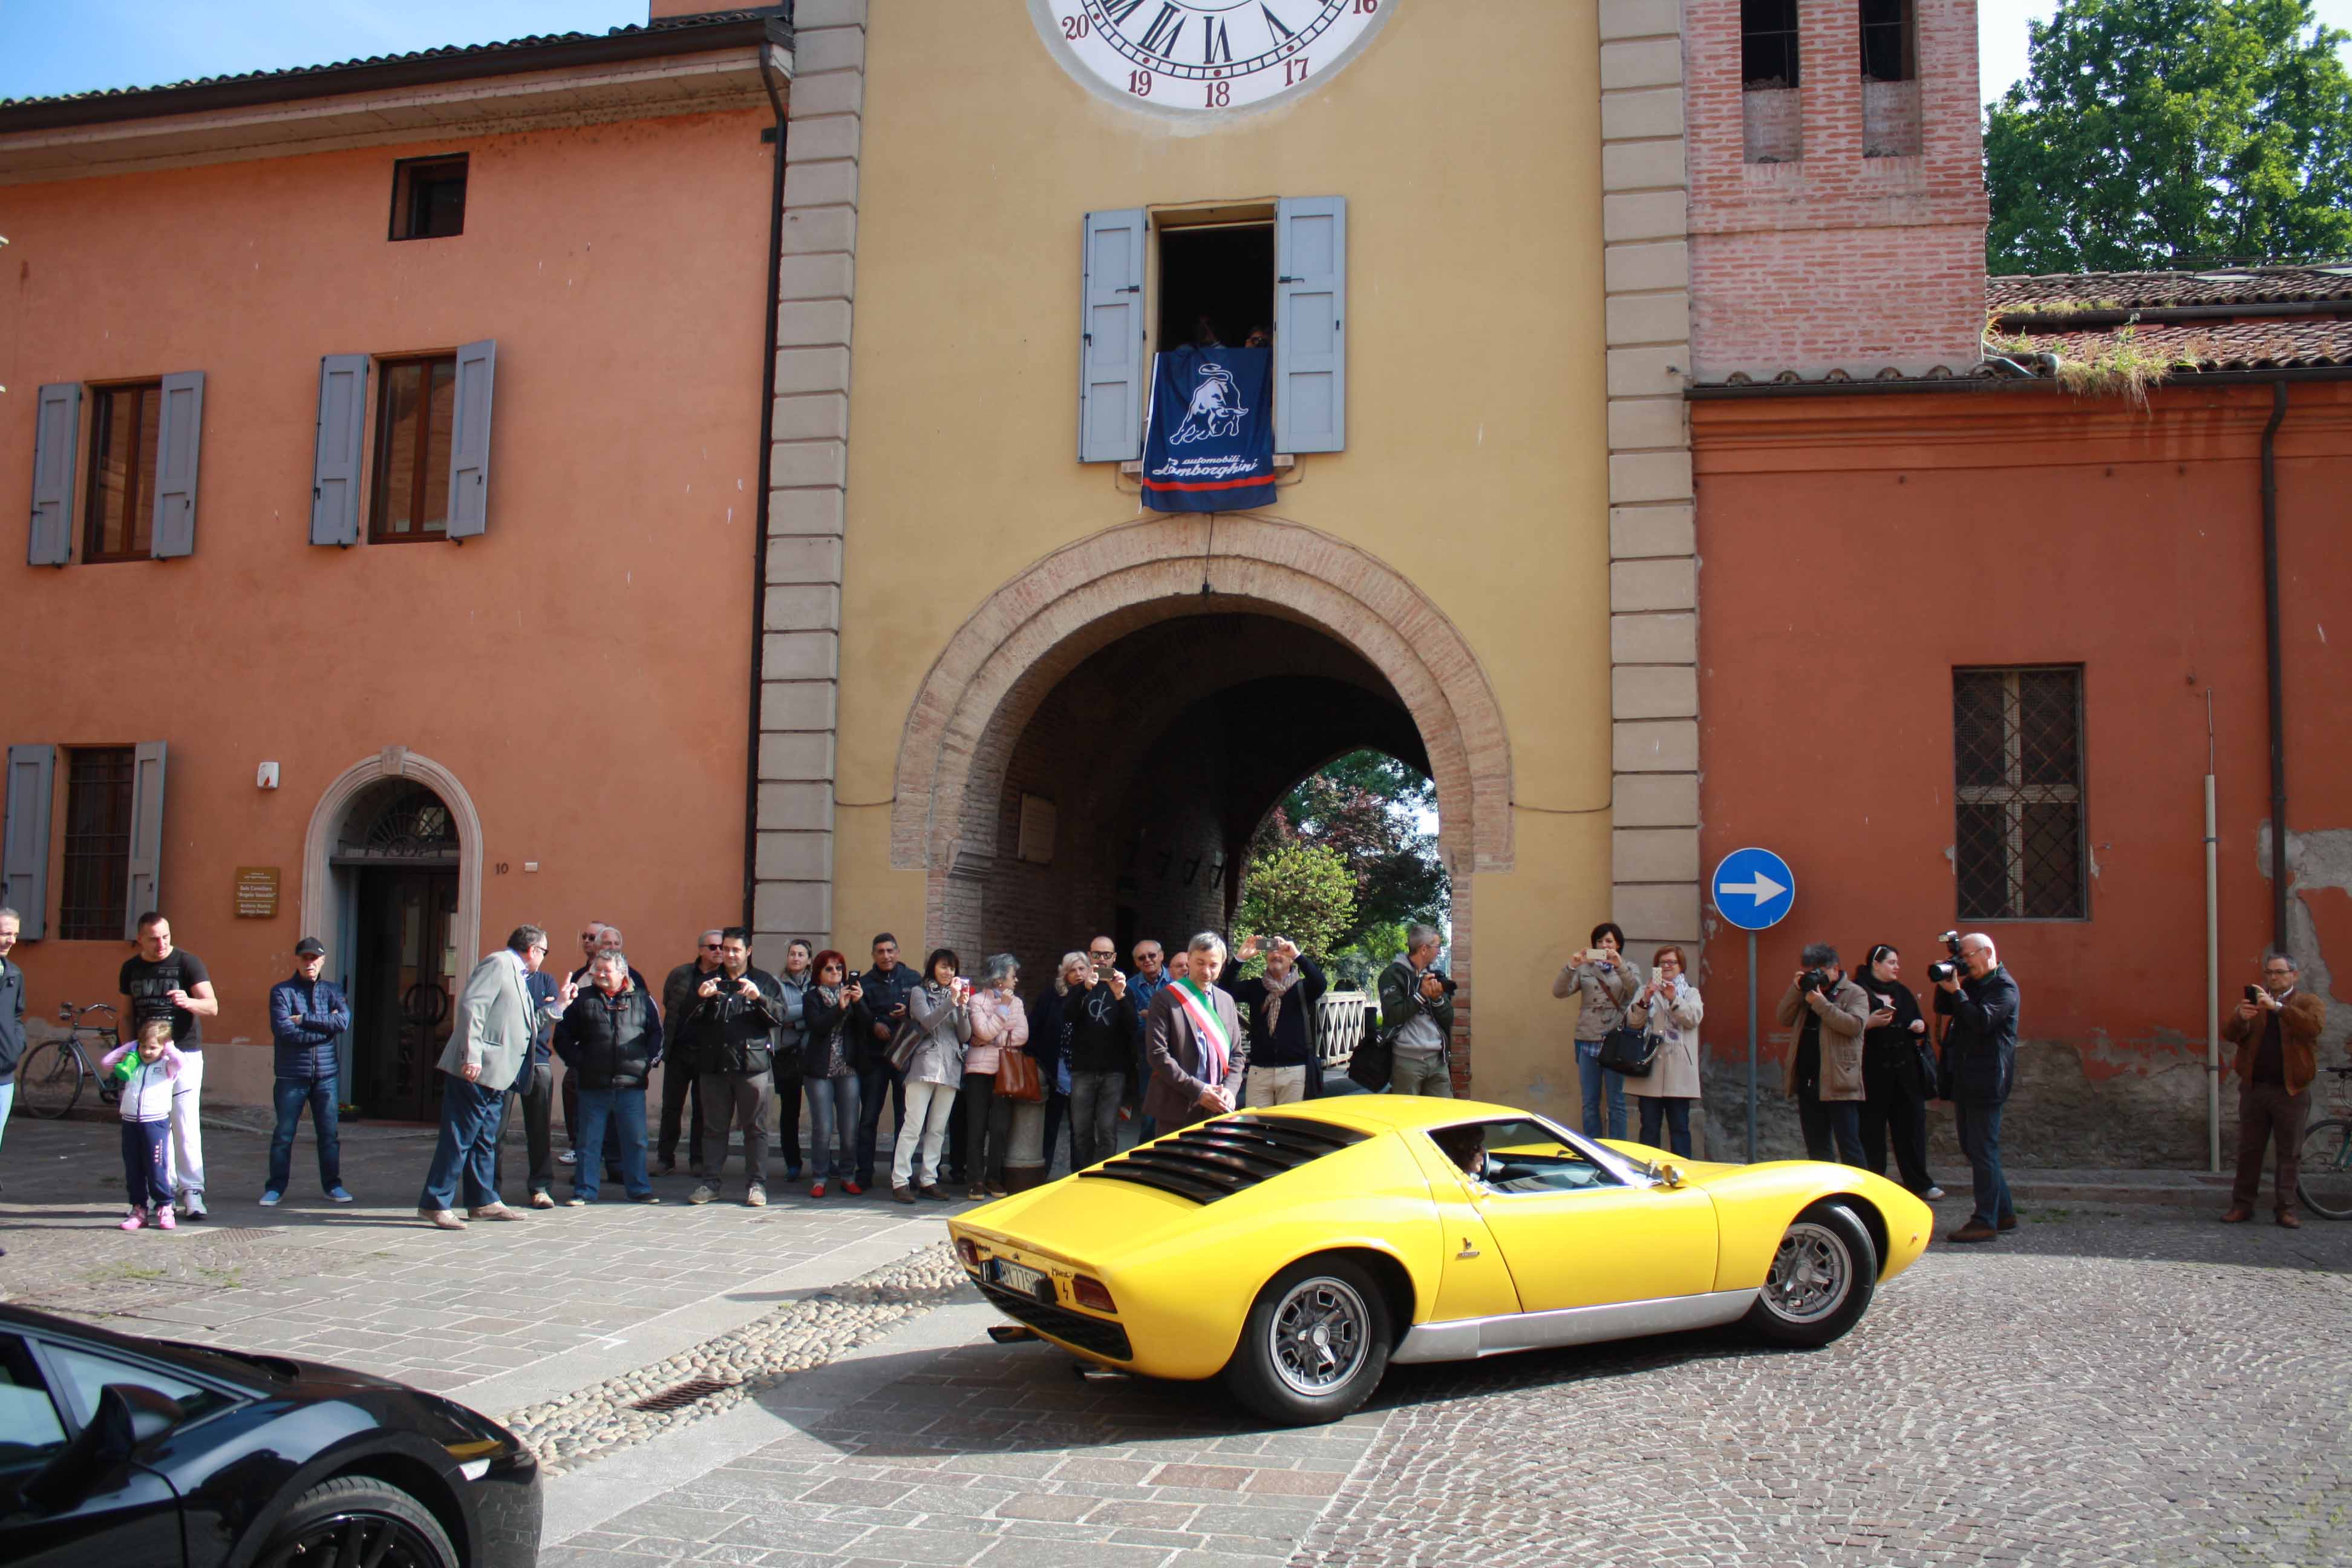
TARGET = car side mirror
x,y
127,1415
1668,1173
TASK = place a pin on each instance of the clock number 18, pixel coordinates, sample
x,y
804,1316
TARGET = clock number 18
x,y
1219,94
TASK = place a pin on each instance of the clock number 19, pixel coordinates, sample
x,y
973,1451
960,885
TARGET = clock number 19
x,y
1139,83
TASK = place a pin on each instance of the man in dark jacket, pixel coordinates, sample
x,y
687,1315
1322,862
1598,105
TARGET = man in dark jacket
x,y
12,1016
1281,1006
307,1016
679,1102
733,1025
2276,1031
1103,1033
886,987
611,1038
1417,1016
1979,1066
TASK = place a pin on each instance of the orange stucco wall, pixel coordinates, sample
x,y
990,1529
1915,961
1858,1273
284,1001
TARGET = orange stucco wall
x,y
582,669
1855,551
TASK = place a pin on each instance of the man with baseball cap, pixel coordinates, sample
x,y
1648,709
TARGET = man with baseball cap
x,y
307,1016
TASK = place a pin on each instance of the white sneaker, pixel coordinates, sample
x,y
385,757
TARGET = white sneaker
x,y
567,1158
1932,1193
194,1206
270,1200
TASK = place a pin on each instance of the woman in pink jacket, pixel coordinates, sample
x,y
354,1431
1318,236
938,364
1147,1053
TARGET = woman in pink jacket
x,y
998,1025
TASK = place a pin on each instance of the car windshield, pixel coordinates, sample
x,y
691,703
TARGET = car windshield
x,y
1522,1155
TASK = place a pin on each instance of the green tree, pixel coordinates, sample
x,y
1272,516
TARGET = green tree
x,y
2153,133
1366,806
1303,891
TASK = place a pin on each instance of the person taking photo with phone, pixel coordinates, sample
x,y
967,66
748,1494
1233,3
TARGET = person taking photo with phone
x,y
734,1023
2276,1031
1603,987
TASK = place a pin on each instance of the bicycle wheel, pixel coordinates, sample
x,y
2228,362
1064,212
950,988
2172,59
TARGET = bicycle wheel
x,y
50,1082
2326,1185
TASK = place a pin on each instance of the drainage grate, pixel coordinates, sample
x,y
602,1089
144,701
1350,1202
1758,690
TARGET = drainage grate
x,y
684,1394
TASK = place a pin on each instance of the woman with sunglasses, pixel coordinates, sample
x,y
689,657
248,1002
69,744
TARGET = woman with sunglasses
x,y
834,1017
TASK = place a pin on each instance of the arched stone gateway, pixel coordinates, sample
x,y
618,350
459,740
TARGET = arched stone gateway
x,y
1353,622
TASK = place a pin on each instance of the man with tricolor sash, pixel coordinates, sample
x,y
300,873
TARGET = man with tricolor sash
x,y
1194,1041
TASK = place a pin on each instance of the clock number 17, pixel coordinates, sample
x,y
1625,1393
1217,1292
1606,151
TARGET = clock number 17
x,y
1294,70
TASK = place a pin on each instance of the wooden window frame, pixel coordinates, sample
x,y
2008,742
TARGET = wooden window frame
x,y
404,173
111,874
101,426
379,444
2013,795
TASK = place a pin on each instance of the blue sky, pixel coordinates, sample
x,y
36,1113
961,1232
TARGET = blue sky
x,y
72,45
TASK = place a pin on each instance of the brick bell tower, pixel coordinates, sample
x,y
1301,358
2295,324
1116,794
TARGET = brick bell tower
x,y
1837,203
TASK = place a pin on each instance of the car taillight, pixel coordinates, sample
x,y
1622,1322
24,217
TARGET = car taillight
x,y
1091,1293
969,1252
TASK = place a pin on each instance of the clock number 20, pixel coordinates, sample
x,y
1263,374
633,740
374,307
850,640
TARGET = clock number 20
x,y
1075,28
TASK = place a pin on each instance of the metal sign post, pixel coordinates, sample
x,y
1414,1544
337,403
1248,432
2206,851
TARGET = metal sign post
x,y
1754,890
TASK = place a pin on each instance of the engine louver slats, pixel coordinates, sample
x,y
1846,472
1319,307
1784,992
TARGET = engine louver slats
x,y
1232,1155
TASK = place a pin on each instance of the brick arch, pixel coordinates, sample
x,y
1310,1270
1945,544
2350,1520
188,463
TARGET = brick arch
x,y
1000,664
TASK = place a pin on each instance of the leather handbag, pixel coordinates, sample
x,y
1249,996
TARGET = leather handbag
x,y
1373,1065
1017,1078
904,1044
1629,1052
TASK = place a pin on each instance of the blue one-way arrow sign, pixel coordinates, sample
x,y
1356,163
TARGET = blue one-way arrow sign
x,y
1754,889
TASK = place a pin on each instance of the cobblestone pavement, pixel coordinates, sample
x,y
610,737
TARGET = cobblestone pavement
x,y
2133,1385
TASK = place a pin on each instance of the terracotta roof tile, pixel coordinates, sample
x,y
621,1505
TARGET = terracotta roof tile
x,y
2212,286
2260,344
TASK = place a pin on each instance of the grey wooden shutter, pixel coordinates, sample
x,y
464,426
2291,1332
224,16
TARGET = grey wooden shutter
x,y
335,472
179,435
1310,310
145,891
469,441
1113,368
56,439
24,841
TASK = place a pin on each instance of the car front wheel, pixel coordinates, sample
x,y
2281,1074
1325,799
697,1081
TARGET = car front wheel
x,y
1316,1343
359,1519
1820,1279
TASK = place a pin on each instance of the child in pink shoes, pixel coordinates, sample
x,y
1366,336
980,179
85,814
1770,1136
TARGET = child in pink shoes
x,y
147,1122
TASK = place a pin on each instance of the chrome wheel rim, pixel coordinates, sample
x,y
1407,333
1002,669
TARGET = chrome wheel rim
x,y
351,1540
1320,1332
1811,1274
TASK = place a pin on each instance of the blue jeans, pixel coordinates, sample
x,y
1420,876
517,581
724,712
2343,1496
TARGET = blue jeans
x,y
472,1114
832,1114
290,1097
1590,1076
1980,1129
623,1111
8,1101
1675,1112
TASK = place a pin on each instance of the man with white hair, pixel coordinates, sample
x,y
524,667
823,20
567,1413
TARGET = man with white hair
x,y
1979,1065
1192,1038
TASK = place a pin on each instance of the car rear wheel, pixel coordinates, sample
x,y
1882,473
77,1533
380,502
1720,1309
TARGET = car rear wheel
x,y
1820,1280
1316,1343
358,1520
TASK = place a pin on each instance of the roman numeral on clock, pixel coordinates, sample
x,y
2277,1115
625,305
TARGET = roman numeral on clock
x,y
1119,14
1272,20
1165,29
1215,46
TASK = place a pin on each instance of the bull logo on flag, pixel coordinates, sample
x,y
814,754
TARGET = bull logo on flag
x,y
1216,409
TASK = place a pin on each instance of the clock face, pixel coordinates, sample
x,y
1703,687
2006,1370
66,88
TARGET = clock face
x,y
1202,56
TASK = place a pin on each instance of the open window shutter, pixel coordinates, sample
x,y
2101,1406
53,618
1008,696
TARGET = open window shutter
x,y
57,437
335,474
469,441
179,435
25,842
146,837
1113,369
1310,308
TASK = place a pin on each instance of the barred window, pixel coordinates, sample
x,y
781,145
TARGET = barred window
x,y
98,786
2021,848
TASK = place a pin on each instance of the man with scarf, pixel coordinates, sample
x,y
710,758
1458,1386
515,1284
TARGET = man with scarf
x,y
1192,1038
1281,1019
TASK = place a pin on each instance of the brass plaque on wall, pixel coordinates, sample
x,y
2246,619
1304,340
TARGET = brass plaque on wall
x,y
256,892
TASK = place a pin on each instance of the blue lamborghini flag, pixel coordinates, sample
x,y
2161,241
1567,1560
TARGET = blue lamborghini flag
x,y
1209,442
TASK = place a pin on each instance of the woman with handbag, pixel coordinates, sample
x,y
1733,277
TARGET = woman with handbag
x,y
929,1050
1000,1029
834,1019
1898,1074
1667,1012
1600,978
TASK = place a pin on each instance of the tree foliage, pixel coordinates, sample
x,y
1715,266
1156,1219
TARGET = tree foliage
x,y
2153,133
1366,807
1302,891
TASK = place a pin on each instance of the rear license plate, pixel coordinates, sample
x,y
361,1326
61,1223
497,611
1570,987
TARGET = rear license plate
x,y
1014,1276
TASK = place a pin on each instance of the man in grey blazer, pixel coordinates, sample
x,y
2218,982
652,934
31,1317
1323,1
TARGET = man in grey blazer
x,y
1189,1080
488,1046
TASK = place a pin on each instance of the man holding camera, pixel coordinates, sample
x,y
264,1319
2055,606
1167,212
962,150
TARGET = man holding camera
x,y
737,1014
1979,1068
2276,1031
1824,1073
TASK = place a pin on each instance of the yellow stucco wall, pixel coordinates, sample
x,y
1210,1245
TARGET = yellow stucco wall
x,y
1466,139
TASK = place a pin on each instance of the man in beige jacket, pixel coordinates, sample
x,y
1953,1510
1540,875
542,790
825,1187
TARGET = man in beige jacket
x,y
1824,1075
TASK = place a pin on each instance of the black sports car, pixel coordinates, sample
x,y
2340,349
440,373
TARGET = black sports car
x,y
129,1452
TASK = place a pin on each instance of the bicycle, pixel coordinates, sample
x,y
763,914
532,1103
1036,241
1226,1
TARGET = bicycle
x,y
49,1083
2325,1183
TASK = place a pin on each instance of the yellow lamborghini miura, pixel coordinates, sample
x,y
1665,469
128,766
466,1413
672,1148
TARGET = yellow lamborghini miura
x,y
1296,1251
